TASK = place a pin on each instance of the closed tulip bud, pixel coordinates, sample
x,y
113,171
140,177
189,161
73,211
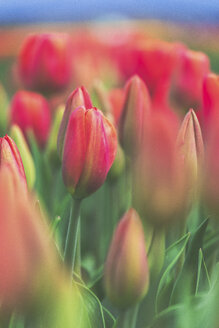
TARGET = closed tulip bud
x,y
134,115
190,144
45,62
126,269
79,97
25,153
23,237
90,146
31,112
116,99
10,156
158,180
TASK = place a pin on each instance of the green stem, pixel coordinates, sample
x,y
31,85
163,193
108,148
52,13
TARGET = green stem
x,y
73,236
128,319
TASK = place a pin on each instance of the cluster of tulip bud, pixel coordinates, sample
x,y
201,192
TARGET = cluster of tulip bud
x,y
136,143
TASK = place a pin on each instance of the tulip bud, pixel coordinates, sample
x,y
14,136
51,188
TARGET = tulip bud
x,y
45,62
191,149
30,111
90,146
10,156
26,156
126,269
158,180
134,115
79,97
23,237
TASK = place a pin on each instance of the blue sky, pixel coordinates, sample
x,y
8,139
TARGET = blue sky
x,y
24,11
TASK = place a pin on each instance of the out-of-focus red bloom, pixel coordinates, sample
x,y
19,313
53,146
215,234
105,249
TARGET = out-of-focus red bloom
x,y
89,149
79,97
210,110
126,268
27,259
137,106
45,62
30,111
190,144
10,156
116,98
193,67
158,178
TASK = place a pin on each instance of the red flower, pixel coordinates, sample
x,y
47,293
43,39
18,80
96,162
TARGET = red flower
x,y
30,111
45,62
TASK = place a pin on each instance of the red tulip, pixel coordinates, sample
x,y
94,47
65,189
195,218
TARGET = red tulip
x,y
193,68
10,156
79,97
27,258
134,115
30,111
45,62
126,268
116,98
158,178
210,110
90,146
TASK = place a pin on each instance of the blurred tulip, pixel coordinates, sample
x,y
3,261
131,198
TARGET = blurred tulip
x,y
27,259
10,156
211,176
193,68
45,62
126,269
134,115
158,178
90,146
79,97
30,111
25,153
116,99
190,144
210,111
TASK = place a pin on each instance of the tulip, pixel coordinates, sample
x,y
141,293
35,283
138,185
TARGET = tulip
x,y
126,268
10,156
134,115
25,153
23,237
158,179
45,62
211,176
90,146
79,97
30,111
193,68
3,109
190,144
210,101
116,99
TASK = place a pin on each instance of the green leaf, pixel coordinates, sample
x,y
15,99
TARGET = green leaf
x,y
202,274
188,275
91,310
173,254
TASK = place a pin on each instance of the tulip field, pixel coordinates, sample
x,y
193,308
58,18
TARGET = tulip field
x,y
109,177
